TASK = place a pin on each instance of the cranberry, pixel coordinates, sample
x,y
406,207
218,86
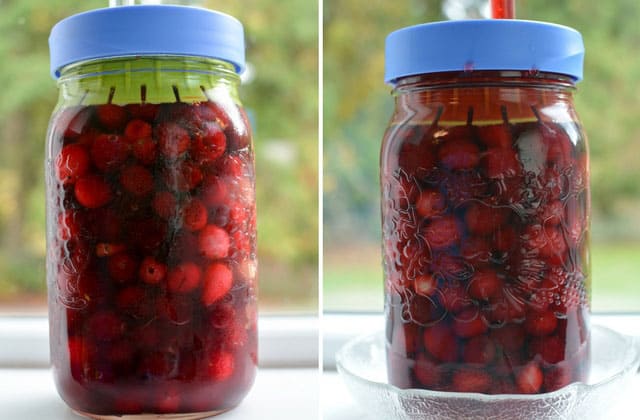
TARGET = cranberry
x,y
70,224
423,310
442,232
220,365
137,129
144,150
550,348
74,121
173,140
430,203
214,191
557,377
471,380
136,180
209,144
152,271
122,267
147,112
194,215
428,373
540,323
109,151
222,316
92,191
529,378
497,136
485,284
479,350
218,280
72,163
459,154
440,342
132,301
214,112
168,402
184,278
106,249
213,242
501,163
468,324
426,284
415,153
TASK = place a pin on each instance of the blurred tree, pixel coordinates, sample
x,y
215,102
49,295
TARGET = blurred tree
x,y
282,99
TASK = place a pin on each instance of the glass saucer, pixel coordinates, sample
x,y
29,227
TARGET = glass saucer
x,y
615,360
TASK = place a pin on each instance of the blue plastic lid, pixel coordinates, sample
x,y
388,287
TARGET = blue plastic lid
x,y
488,44
146,30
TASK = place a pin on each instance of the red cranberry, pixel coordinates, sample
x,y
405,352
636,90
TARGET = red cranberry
x,y
475,250
501,163
454,298
442,232
92,191
144,150
73,121
222,316
112,117
168,402
232,166
540,323
440,342
557,377
72,163
218,280
173,140
69,224
136,180
122,267
415,155
468,324
152,271
209,144
109,151
106,249
147,112
485,284
479,350
213,111
194,215
137,129
529,378
426,284
430,203
214,191
132,300
184,278
550,348
213,242
498,136
428,373
459,154
470,380
220,365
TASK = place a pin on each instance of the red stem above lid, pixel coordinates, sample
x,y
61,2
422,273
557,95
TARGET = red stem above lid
x,y
503,9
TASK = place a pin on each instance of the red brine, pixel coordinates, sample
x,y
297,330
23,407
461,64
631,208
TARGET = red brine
x,y
152,257
485,207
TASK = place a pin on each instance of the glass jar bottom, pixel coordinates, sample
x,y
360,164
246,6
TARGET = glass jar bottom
x,y
151,416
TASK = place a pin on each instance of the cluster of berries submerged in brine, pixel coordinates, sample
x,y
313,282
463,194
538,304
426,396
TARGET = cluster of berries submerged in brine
x,y
152,265
486,256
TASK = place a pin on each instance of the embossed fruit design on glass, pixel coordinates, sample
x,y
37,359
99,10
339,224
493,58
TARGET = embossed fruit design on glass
x,y
485,209
151,223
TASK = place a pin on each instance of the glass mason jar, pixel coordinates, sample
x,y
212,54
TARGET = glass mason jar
x,y
151,223
485,211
